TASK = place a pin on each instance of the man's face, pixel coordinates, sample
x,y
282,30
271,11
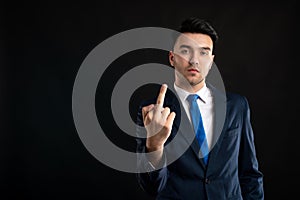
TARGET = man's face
x,y
192,58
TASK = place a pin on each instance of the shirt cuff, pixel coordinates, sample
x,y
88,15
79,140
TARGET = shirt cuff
x,y
150,167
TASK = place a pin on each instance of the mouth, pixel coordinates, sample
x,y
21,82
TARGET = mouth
x,y
194,70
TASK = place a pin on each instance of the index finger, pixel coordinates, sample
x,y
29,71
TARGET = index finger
x,y
161,96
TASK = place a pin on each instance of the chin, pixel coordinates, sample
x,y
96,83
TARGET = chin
x,y
195,82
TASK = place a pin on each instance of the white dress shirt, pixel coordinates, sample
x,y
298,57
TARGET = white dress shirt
x,y
206,108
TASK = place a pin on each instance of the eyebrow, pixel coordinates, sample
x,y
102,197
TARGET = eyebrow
x,y
189,47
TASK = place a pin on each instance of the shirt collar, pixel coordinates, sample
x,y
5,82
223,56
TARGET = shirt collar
x,y
203,93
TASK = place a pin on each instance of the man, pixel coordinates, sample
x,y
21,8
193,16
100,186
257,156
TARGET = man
x,y
217,163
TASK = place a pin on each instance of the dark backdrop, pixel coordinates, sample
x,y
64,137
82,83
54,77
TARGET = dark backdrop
x,y
44,44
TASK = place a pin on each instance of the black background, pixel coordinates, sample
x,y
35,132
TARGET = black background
x,y
44,44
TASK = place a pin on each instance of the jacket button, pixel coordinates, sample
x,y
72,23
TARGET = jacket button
x,y
207,181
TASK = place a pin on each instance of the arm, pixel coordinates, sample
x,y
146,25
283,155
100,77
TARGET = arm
x,y
154,127
153,180
251,179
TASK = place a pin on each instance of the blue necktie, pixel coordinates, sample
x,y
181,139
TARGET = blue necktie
x,y
198,126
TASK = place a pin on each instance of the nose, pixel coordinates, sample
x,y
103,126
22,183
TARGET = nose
x,y
194,60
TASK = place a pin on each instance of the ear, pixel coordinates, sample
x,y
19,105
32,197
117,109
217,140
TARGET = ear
x,y
171,58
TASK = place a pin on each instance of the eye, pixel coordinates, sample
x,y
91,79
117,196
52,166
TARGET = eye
x,y
184,51
204,53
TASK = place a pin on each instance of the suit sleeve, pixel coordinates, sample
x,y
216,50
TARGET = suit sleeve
x,y
251,179
150,180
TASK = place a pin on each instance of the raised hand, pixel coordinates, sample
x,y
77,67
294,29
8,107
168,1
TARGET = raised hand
x,y
158,122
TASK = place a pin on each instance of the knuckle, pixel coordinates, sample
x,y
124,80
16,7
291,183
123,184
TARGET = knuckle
x,y
144,109
166,128
149,116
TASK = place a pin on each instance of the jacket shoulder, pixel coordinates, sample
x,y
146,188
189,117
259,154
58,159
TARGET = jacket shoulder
x,y
237,100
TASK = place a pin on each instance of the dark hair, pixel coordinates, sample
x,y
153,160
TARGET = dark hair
x,y
196,25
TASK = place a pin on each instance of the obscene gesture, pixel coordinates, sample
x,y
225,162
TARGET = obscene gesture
x,y
158,122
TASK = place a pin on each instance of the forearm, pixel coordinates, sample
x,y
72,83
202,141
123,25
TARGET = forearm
x,y
155,155
251,179
252,186
152,177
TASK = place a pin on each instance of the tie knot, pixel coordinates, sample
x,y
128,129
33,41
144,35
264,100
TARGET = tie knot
x,y
192,97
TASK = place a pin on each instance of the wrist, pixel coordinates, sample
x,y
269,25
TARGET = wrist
x,y
154,148
154,155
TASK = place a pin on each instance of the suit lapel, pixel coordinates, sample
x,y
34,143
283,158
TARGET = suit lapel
x,y
219,122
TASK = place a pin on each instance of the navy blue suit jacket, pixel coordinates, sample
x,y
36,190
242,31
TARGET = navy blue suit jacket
x,y
232,170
